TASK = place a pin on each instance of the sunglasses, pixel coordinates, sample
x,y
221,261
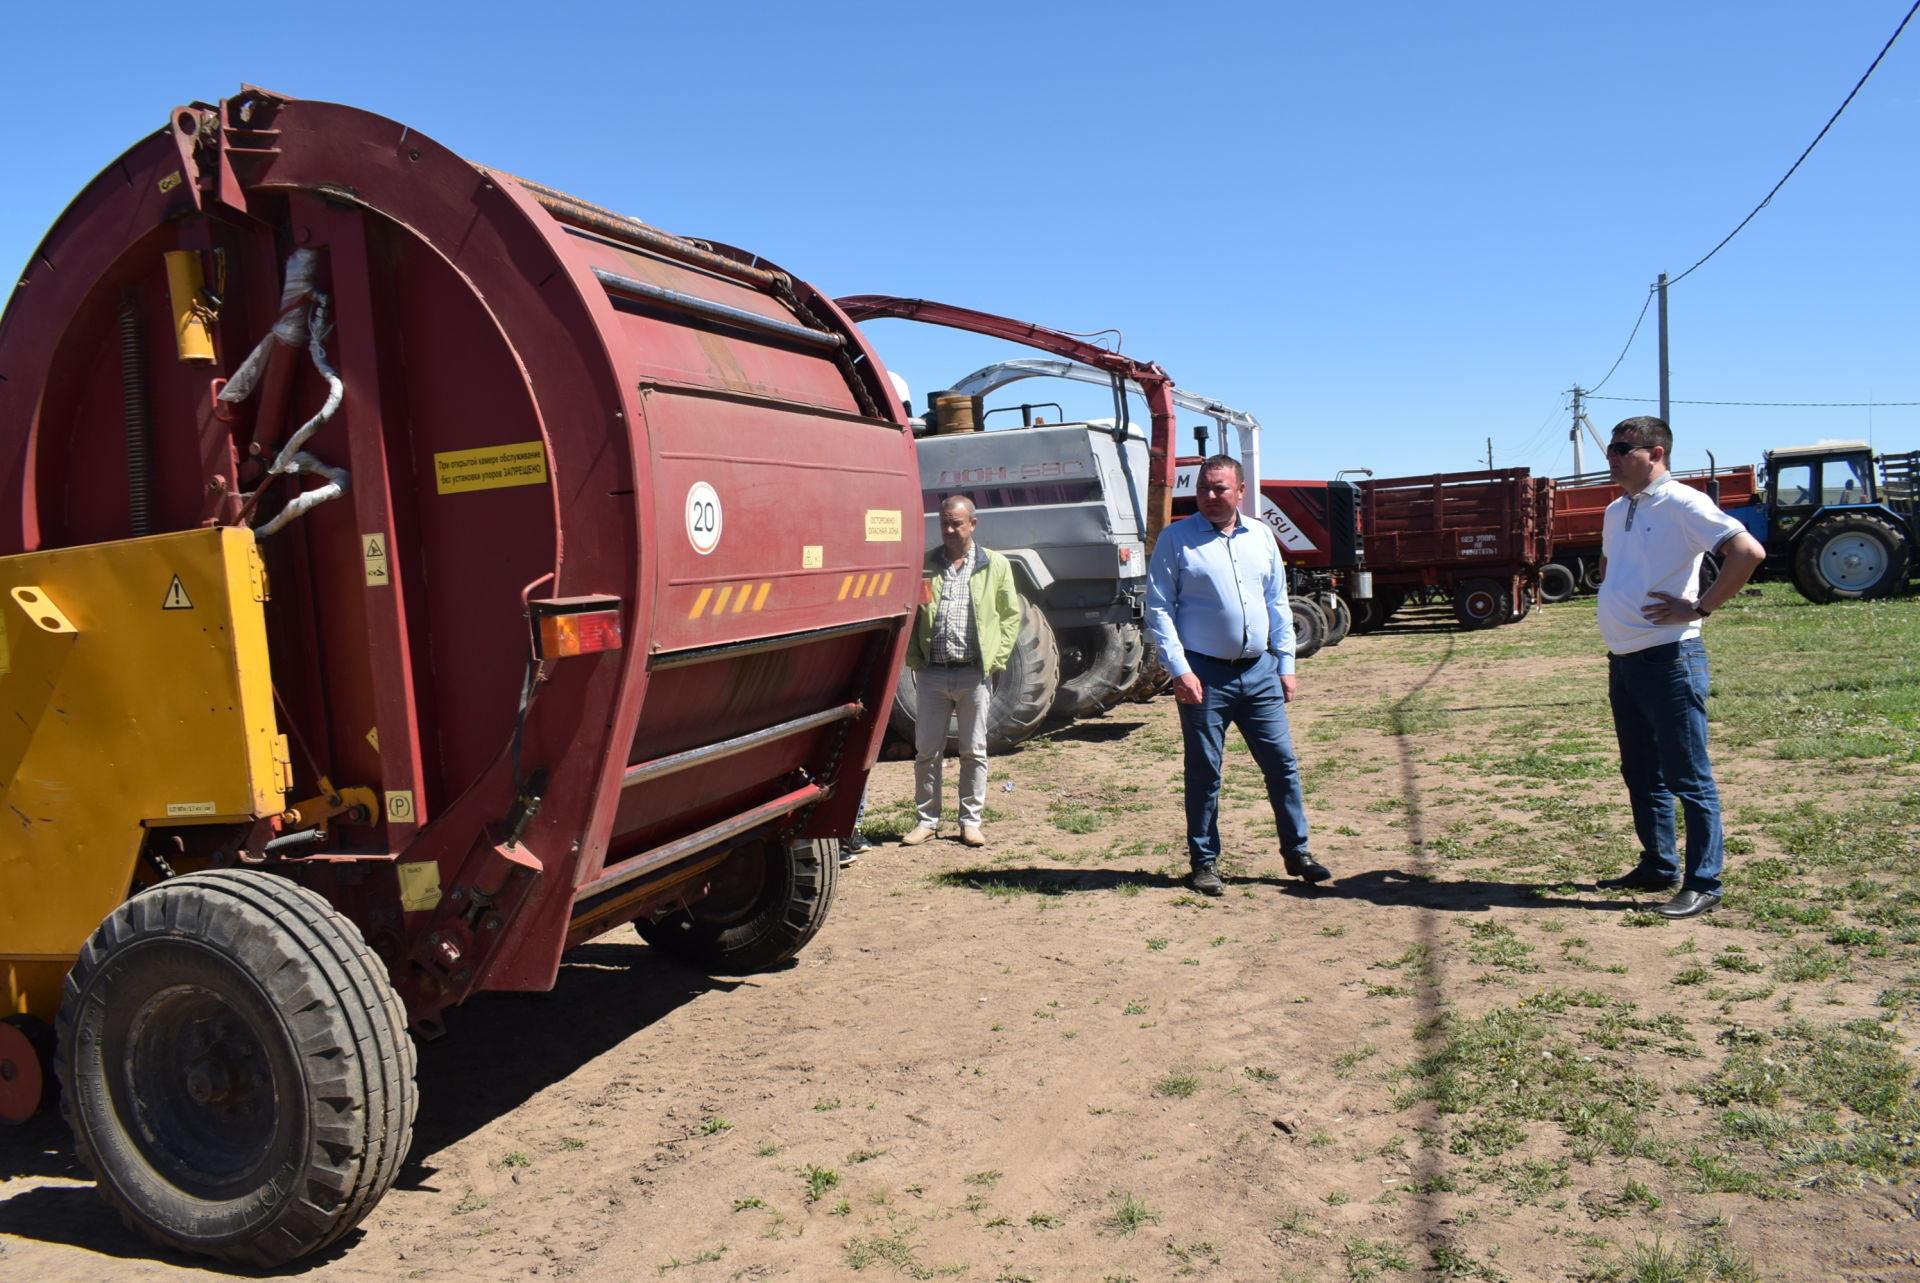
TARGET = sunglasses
x,y
1619,448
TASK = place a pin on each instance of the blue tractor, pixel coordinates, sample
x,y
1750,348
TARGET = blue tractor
x,y
1839,522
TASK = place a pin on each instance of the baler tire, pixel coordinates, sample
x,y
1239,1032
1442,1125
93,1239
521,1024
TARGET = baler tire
x,y
192,1005
1822,573
768,900
1557,583
1309,627
1108,664
1483,603
1339,618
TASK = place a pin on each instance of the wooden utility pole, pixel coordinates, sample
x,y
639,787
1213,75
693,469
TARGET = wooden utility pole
x,y
1489,454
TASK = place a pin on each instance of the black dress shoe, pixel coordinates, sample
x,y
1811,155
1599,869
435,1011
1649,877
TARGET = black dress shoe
x,y
1207,882
1638,880
858,844
1306,867
1689,904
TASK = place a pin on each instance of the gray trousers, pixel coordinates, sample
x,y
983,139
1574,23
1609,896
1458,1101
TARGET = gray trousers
x,y
963,692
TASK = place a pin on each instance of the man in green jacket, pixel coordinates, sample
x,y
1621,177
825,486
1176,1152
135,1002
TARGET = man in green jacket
x,y
963,634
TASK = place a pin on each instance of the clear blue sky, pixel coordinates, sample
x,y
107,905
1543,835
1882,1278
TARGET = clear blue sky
x,y
1389,230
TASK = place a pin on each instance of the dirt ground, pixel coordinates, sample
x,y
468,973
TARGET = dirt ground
x,y
1054,1063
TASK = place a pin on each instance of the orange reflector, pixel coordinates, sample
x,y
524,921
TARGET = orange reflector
x,y
1126,555
567,626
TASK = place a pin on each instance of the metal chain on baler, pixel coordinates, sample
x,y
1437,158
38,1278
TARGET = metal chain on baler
x,y
849,368
837,747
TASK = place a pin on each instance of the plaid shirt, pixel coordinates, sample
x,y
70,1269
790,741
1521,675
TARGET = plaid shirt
x,y
953,639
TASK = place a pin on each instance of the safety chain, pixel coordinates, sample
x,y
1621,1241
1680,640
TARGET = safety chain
x,y
841,733
783,289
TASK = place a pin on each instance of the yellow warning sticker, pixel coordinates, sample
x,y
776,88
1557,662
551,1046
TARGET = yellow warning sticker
x,y
400,806
170,182
191,808
812,557
490,467
177,598
883,525
373,550
373,738
419,885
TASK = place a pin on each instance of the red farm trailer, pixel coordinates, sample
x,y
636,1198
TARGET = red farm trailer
x,y
407,571
1579,503
1478,537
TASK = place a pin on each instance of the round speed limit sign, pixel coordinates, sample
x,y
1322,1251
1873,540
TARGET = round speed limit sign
x,y
703,518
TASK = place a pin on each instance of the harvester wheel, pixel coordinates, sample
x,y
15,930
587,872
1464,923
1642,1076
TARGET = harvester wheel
x,y
1557,583
1851,558
235,1067
1023,691
26,1068
1097,665
768,899
1339,618
1309,627
1483,603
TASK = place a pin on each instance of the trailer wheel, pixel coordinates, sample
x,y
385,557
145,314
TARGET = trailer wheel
x,y
1710,565
1557,583
1482,603
26,1069
1370,614
1339,618
235,1067
768,899
1855,557
1309,627
1590,574
1097,665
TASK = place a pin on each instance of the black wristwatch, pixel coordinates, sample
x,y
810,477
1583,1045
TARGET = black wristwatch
x,y
1701,610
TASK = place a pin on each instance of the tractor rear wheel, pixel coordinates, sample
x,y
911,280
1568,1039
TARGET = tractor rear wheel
x,y
1309,627
1854,557
1483,603
1557,583
235,1067
766,901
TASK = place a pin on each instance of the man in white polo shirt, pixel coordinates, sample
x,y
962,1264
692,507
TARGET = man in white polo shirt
x,y
1654,538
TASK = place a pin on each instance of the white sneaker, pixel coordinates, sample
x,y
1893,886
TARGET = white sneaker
x,y
972,836
920,833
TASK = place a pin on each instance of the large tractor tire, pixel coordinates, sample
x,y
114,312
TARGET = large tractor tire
x,y
1097,665
1483,603
1557,583
235,1067
767,900
1339,618
1309,627
1023,691
1853,557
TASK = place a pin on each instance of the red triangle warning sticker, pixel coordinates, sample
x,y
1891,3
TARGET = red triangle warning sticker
x,y
177,598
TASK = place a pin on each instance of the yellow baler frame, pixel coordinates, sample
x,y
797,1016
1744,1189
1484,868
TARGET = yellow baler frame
x,y
135,694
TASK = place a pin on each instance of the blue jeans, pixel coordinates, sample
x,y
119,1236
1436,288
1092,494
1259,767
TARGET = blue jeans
x,y
1251,699
1659,698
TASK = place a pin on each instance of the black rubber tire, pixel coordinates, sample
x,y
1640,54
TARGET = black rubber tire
x,y
1590,574
1023,691
1557,583
1153,680
1851,557
1710,566
234,983
1339,618
768,899
1097,664
27,1082
1309,627
1483,603
1368,613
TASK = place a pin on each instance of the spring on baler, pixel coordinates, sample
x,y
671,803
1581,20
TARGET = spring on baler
x,y
133,400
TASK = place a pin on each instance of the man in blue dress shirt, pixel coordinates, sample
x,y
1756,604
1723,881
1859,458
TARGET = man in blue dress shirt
x,y
1217,609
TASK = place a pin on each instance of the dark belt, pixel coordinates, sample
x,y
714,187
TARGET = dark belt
x,y
953,663
1230,663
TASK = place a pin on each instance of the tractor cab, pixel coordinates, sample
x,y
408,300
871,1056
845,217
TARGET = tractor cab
x,y
1803,480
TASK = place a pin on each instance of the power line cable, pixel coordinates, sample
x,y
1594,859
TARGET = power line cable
x,y
1636,325
1815,405
1808,152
